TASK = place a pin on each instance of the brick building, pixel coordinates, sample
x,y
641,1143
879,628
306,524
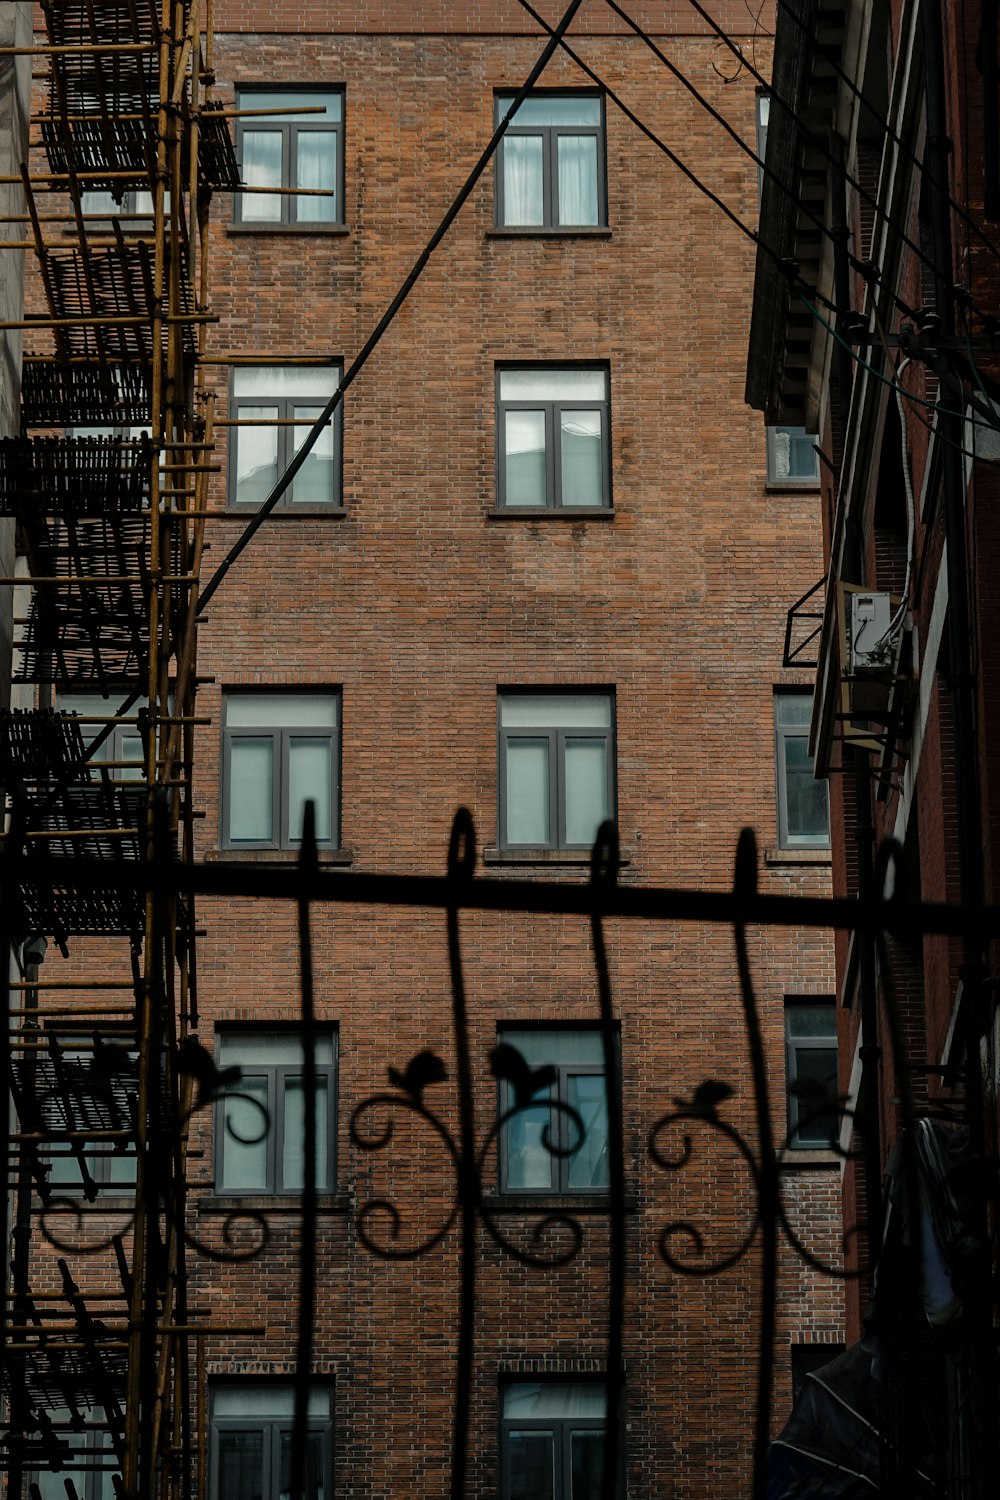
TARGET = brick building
x,y
538,567
873,311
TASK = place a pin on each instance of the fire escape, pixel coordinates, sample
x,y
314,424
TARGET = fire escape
x,y
103,1371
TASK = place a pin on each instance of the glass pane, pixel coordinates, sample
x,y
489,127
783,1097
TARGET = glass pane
x,y
524,458
310,775
293,1144
553,385
119,1169
571,1398
313,484
808,817
552,109
531,1465
586,1458
816,1066
793,708
811,1020
314,1466
588,1167
555,710
582,460
523,201
293,104
528,792
281,710
241,1465
262,168
256,455
251,779
561,1047
577,156
131,749
285,382
792,454
586,789
529,1160
275,1048
266,1402
316,169
246,1129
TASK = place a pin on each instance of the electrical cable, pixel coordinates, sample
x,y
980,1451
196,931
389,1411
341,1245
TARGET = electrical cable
x,y
814,218
388,317
821,147
736,221
826,54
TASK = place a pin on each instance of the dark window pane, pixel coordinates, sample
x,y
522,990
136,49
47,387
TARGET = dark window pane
x,y
587,1458
531,1457
816,1070
314,1466
529,1160
588,1167
241,1465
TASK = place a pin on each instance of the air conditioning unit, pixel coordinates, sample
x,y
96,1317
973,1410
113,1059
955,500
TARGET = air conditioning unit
x,y
869,645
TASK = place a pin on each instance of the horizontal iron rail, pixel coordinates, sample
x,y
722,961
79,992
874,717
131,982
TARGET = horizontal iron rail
x,y
471,893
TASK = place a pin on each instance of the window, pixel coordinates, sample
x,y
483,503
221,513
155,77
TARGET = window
x,y
292,139
134,204
279,751
792,459
556,768
763,115
87,1456
803,812
552,1439
576,1164
811,1070
99,1079
275,408
122,751
550,169
552,438
260,1125
251,1441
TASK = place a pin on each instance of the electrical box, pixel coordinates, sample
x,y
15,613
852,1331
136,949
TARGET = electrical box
x,y
869,643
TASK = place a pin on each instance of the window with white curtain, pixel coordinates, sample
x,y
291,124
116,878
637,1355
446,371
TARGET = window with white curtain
x,y
550,166
559,1142
552,1439
279,751
290,144
552,438
260,1119
273,409
792,460
556,768
253,1426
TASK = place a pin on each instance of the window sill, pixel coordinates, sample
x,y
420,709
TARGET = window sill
x,y
279,856
324,230
287,512
797,856
551,513
796,1160
572,1202
581,857
800,486
270,1203
549,232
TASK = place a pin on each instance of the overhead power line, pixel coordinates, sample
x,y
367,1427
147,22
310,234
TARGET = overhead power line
x,y
827,55
387,318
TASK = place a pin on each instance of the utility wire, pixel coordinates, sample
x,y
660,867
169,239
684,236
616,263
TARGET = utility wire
x,y
826,53
821,146
387,318
795,282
